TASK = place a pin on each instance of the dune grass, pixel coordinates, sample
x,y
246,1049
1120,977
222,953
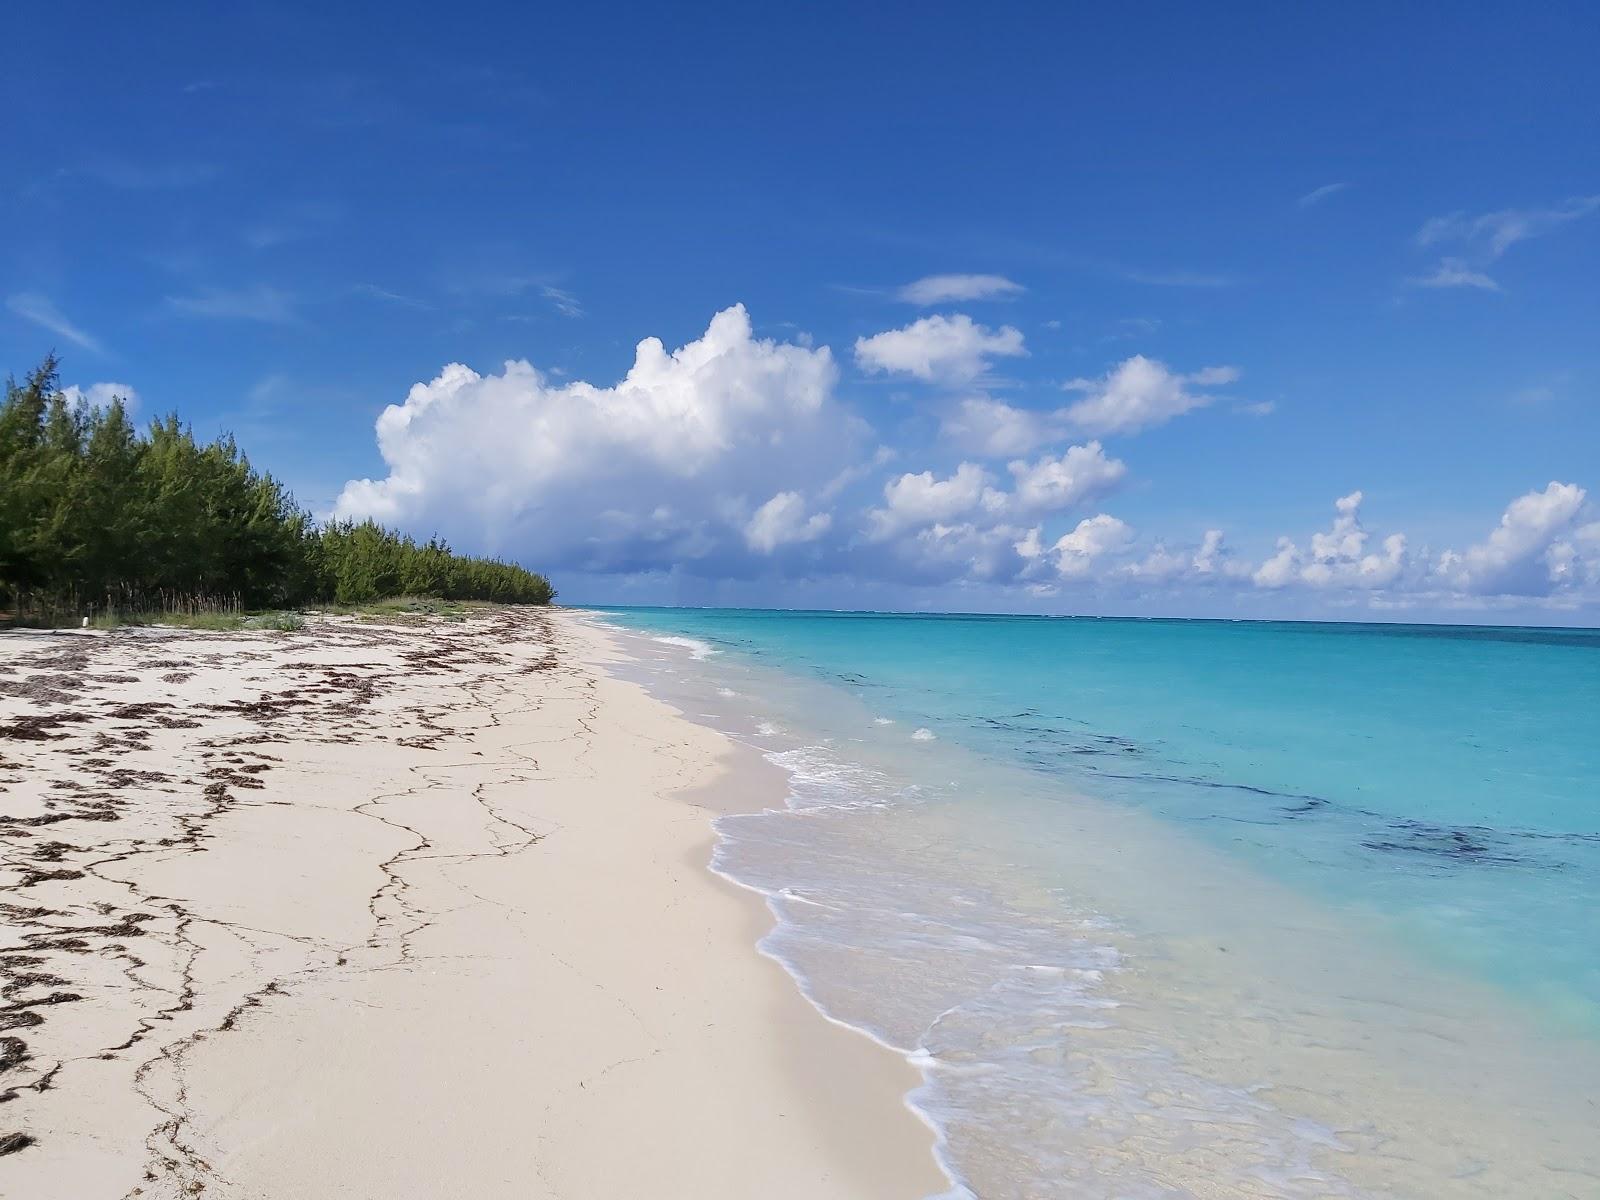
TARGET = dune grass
x,y
283,621
403,610
395,610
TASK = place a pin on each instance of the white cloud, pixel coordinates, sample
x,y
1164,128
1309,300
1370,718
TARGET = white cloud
x,y
996,429
1454,272
1483,238
963,526
1318,195
1138,394
1516,558
915,500
564,302
783,521
967,496
31,306
1492,234
939,349
1282,568
1261,408
1051,484
1576,560
1079,552
1029,546
100,395
1210,560
940,289
646,474
1541,549
856,472
1338,557
731,458
257,303
966,550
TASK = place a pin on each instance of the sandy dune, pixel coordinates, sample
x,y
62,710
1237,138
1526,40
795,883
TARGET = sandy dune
x,y
367,911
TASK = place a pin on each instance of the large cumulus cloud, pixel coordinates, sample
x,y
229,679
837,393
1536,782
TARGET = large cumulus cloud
x,y
703,453
734,456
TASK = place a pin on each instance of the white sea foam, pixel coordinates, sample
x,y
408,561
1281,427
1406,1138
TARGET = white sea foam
x,y
1012,1013
698,650
883,720
726,693
1062,1055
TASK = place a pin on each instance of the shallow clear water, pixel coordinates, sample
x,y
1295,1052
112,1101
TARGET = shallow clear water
x,y
1177,908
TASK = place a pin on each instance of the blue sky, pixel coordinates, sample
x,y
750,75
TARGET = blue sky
x,y
1248,260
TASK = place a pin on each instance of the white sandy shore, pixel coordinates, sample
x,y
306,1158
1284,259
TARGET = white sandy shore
x,y
397,912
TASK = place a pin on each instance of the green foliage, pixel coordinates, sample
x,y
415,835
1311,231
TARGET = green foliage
x,y
96,516
359,563
115,618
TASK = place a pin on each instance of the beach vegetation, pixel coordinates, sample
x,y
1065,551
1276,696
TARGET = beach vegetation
x,y
102,520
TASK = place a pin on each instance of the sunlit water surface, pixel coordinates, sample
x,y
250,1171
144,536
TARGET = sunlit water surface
x,y
1169,908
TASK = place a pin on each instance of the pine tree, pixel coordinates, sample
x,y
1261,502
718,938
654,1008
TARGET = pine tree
x,y
94,513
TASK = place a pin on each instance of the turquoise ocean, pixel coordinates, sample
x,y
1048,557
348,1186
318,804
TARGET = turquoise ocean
x,y
1184,908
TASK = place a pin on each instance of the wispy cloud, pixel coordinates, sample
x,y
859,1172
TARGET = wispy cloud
x,y
939,289
498,284
268,393
1177,279
1318,195
147,177
260,414
295,223
492,284
1551,388
1130,328
1455,273
261,303
380,293
565,302
41,310
1482,239
265,237
1491,234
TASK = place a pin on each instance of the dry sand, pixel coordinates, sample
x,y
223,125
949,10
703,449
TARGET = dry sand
x,y
417,911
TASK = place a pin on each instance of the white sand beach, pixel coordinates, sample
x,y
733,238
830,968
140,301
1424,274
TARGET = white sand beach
x,y
398,911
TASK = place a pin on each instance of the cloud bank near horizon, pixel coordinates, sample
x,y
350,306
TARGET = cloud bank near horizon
x,y
739,457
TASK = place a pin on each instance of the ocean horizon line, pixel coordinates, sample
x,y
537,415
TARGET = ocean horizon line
x,y
959,614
